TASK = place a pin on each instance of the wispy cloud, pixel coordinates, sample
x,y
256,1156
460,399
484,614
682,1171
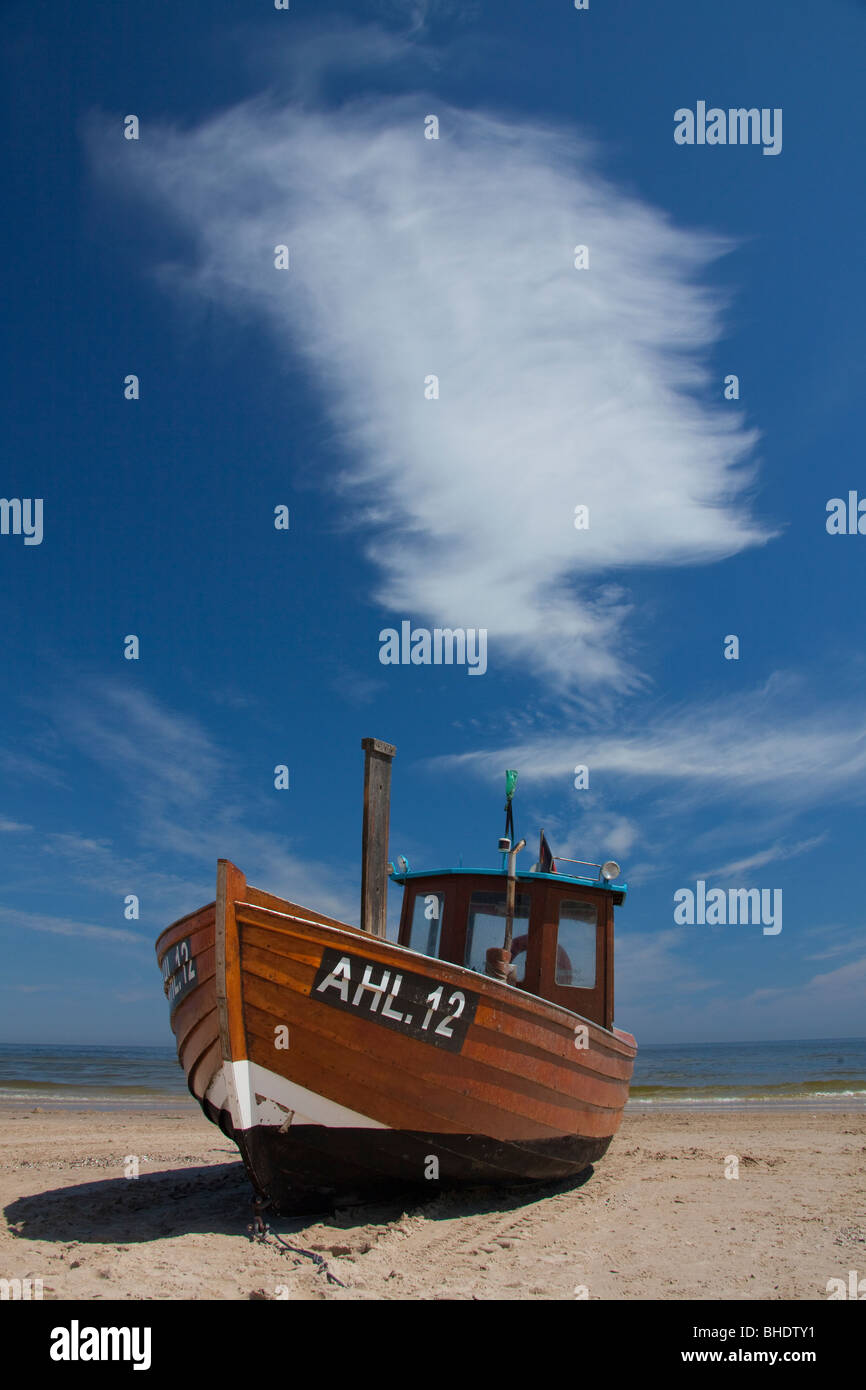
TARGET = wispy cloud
x,y
339,45
20,765
654,967
834,940
598,830
558,386
160,754
98,864
811,1012
180,804
773,855
664,990
834,995
65,926
34,989
759,744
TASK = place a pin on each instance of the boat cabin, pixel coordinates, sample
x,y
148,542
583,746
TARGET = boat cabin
x,y
562,942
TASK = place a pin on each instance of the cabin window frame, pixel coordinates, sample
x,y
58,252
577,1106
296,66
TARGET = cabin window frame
x,y
595,1004
455,890
418,897
446,890
566,900
498,889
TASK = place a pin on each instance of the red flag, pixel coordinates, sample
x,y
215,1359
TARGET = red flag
x,y
545,857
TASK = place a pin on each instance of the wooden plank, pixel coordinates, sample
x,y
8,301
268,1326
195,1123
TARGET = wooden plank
x,y
198,1039
231,886
332,1064
204,1068
182,927
291,963
523,1003
262,899
374,840
546,1088
191,1010
494,1072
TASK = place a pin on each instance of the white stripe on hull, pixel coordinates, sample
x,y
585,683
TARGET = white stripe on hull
x,y
254,1095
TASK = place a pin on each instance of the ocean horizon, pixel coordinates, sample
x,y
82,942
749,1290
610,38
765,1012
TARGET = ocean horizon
x,y
827,1073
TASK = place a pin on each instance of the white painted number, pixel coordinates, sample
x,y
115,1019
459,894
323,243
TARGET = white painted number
x,y
446,1032
433,1000
183,973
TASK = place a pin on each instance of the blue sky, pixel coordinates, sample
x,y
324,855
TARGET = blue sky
x,y
558,387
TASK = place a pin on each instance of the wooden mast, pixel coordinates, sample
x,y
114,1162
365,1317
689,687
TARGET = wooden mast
x,y
374,846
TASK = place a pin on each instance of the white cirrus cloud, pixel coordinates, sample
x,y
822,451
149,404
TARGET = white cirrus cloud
x,y
774,854
184,802
558,386
65,926
768,743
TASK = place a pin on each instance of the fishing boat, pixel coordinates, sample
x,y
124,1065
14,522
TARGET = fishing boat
x,y
477,1048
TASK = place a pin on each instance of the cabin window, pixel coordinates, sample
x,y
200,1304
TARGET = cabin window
x,y
575,944
486,927
426,930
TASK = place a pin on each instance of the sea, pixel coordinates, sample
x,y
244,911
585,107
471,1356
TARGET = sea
x,y
91,1078
826,1073
822,1073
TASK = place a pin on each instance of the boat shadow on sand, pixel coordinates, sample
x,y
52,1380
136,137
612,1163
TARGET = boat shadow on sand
x,y
216,1199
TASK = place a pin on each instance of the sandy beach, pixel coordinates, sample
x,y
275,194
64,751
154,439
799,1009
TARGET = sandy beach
x,y
656,1219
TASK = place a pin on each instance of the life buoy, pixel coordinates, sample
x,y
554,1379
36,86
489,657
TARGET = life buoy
x,y
563,960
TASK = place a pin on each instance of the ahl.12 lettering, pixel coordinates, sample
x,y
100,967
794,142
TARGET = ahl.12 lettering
x,y
412,1004
178,972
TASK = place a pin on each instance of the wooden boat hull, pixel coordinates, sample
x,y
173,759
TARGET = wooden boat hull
x,y
341,1163
345,1066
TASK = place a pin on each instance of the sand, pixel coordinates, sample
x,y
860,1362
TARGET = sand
x,y
657,1218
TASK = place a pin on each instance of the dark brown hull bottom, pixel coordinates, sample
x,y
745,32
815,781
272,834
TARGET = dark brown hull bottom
x,y
311,1167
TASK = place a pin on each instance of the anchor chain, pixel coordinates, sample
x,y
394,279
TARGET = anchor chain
x,y
259,1230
